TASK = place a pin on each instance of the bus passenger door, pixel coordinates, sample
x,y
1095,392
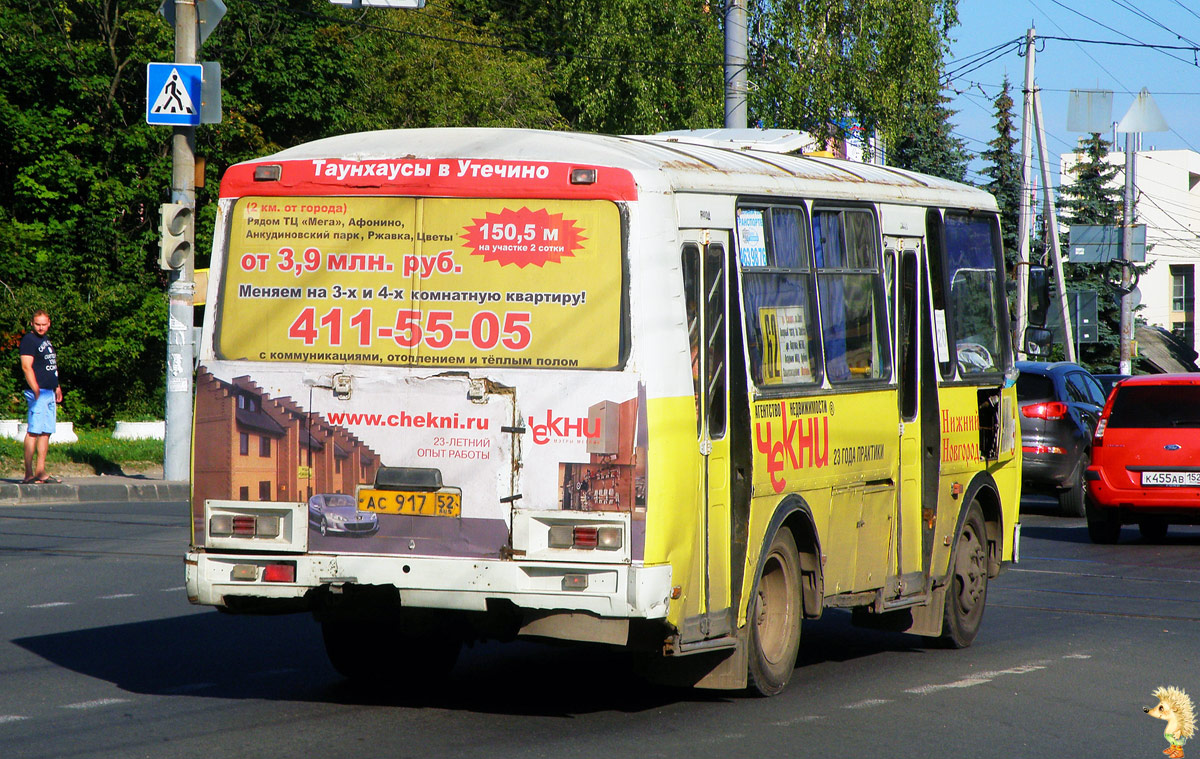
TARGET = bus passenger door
x,y
918,408
706,283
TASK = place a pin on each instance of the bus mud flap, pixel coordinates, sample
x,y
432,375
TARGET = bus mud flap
x,y
720,669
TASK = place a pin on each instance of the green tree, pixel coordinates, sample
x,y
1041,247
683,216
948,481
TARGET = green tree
x,y
619,66
1004,169
1093,197
79,181
814,63
929,144
83,175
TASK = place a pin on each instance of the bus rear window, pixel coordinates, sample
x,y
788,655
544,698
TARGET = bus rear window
x,y
435,282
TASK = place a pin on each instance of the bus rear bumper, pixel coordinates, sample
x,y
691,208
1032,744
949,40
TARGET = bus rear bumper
x,y
606,590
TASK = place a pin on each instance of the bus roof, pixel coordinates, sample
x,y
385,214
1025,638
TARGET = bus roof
x,y
666,162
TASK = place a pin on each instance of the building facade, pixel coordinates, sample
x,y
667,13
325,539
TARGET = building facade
x,y
1167,197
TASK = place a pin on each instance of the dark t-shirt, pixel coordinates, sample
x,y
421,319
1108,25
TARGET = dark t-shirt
x,y
45,363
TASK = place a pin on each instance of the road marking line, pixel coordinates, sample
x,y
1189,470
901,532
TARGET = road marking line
x,y
49,605
978,679
97,703
175,589
6,718
1078,656
797,720
117,595
868,703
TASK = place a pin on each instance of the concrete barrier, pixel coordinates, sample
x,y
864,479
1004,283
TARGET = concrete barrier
x,y
64,432
140,430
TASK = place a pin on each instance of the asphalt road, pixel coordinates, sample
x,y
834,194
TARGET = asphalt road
x,y
102,656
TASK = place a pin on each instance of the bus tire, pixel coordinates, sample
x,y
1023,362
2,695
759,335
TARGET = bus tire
x,y
966,595
377,653
775,617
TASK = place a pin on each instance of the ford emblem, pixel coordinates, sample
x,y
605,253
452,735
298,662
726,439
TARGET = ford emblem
x,y
1172,446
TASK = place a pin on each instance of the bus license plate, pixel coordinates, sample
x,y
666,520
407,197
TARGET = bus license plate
x,y
1171,479
419,503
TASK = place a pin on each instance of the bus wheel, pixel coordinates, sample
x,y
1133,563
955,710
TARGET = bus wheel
x,y
378,653
775,617
967,592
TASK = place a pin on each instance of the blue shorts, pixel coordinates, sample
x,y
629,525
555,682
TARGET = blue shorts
x,y
40,418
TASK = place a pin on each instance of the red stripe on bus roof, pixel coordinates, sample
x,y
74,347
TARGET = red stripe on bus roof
x,y
442,177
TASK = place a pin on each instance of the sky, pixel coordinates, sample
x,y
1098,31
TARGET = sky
x,y
975,75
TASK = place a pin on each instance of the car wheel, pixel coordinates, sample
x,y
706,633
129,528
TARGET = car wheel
x,y
966,594
378,653
1103,525
1153,529
1071,500
775,617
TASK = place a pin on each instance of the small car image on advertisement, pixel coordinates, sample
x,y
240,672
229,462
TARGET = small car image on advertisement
x,y
337,514
1060,404
1146,458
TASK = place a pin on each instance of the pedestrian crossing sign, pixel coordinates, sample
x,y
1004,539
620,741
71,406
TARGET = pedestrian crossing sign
x,y
173,93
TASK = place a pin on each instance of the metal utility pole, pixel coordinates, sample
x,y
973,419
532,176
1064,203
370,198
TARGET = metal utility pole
x,y
1051,214
1025,215
182,286
736,83
1126,362
1032,129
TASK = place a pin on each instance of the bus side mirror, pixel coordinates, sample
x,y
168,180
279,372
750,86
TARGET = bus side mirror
x,y
1039,297
1037,341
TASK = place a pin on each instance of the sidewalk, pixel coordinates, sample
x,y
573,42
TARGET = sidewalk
x,y
104,488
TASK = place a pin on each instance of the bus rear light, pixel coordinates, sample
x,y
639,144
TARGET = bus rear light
x,y
575,582
561,536
244,526
606,538
587,537
279,573
220,525
268,173
267,527
1050,410
583,176
609,538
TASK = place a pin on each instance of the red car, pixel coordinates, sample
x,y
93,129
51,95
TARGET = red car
x,y
1146,458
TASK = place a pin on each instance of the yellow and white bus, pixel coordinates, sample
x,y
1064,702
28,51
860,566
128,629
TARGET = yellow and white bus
x,y
676,393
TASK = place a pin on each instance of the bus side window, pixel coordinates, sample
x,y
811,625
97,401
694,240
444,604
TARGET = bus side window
x,y
690,259
776,281
935,235
714,339
974,263
854,329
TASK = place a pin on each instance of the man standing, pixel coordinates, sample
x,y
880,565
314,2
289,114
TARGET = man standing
x,y
40,366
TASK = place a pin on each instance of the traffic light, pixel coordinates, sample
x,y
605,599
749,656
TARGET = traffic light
x,y
178,232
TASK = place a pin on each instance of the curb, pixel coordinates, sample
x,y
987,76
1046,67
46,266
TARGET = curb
x,y
16,494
